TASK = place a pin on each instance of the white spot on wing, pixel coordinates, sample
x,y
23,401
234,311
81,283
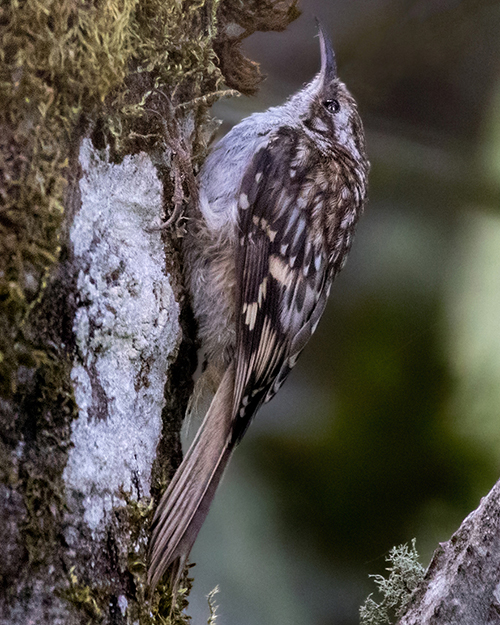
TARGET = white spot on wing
x,y
302,202
262,292
244,203
267,348
280,270
251,315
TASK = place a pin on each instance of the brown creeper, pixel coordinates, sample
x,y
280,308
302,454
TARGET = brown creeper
x,y
279,198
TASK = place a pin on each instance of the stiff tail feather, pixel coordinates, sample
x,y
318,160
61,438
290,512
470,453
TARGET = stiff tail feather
x,y
185,504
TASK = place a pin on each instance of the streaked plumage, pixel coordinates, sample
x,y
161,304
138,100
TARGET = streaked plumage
x,y
280,196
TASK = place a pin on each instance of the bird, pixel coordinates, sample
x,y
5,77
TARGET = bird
x,y
279,199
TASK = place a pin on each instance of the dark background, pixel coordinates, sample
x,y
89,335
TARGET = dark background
x,y
389,427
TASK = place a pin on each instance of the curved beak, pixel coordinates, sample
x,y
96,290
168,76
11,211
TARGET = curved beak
x,y
328,62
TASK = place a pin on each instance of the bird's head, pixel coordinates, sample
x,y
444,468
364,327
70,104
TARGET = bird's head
x,y
327,111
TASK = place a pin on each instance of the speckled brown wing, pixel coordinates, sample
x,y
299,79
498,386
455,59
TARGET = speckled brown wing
x,y
282,269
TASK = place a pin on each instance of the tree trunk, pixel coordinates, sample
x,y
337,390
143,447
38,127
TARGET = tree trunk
x,y
462,583
103,125
81,496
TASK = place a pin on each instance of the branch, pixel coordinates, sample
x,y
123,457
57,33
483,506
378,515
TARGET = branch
x,y
462,583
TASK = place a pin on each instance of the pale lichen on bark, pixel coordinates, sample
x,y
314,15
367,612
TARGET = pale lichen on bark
x,y
126,327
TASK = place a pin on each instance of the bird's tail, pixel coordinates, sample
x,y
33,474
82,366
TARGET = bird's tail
x,y
185,504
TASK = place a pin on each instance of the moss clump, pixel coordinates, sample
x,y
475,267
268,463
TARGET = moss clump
x,y
58,59
82,598
405,575
162,608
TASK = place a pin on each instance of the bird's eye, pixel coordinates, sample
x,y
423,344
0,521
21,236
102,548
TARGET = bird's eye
x,y
332,106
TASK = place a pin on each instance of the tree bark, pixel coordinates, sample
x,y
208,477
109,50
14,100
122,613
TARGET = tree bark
x,y
462,583
125,334
103,124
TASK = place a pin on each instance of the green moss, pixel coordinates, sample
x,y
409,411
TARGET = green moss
x,y
82,598
49,410
59,59
160,608
164,612
93,600
137,516
61,62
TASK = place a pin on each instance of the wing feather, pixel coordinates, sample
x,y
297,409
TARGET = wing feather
x,y
281,273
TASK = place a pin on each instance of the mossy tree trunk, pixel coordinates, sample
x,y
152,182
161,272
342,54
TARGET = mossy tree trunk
x,y
103,125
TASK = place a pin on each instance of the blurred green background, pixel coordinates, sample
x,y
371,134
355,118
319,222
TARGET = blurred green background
x,y
389,427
